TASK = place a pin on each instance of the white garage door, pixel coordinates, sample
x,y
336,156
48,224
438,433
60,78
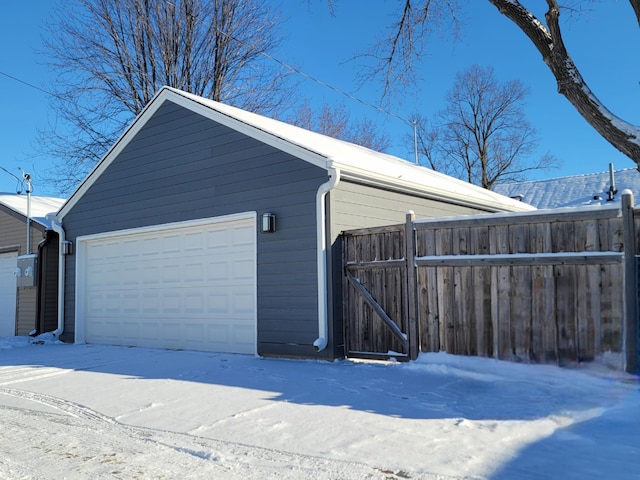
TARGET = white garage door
x,y
187,286
8,264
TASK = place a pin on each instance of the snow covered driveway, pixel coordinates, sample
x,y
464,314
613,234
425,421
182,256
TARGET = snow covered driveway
x,y
89,411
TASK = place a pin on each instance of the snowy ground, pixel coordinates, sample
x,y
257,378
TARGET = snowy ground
x,y
93,412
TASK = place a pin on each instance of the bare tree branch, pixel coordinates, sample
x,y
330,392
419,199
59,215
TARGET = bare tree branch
x,y
482,135
337,123
549,42
112,56
635,4
391,60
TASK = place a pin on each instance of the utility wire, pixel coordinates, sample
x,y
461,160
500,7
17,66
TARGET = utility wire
x,y
272,58
27,84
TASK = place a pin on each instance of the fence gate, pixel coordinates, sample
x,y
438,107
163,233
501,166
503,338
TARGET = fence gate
x,y
379,312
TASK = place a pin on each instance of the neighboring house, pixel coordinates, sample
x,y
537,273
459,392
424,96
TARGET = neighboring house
x,y
29,303
207,227
574,191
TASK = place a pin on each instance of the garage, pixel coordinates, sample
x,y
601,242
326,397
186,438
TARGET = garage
x,y
186,285
8,262
135,275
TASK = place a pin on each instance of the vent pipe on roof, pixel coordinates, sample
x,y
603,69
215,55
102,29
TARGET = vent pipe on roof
x,y
612,185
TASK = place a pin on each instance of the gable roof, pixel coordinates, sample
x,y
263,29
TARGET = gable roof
x,y
353,161
40,206
574,191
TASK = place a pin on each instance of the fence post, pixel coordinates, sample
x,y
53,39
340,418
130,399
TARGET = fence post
x,y
630,327
411,286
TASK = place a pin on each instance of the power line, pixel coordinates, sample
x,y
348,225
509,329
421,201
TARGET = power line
x,y
27,84
331,87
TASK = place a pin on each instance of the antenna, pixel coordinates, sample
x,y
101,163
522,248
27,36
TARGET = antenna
x,y
415,140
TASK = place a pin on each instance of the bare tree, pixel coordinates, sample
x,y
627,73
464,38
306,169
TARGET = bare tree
x,y
337,123
482,134
396,54
114,55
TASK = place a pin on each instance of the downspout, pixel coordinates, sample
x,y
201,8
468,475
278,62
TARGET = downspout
x,y
321,220
57,227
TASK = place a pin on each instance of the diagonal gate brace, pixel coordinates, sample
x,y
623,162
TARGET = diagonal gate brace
x,y
395,330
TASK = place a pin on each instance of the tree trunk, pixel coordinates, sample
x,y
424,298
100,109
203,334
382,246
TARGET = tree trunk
x,y
622,135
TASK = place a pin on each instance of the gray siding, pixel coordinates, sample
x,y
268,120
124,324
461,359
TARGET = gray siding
x,y
182,166
13,236
353,205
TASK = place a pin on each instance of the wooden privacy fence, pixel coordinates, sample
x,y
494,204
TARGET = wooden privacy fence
x,y
549,287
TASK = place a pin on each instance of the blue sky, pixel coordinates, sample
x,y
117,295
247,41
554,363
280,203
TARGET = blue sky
x,y
602,45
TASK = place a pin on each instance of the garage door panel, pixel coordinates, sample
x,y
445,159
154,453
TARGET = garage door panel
x,y
150,302
195,289
194,242
171,303
217,303
194,303
217,239
218,270
242,269
193,273
130,304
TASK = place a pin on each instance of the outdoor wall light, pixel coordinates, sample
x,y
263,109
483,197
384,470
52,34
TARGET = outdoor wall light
x,y
268,223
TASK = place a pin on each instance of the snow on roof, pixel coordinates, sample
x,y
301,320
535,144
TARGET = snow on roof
x,y
352,160
363,163
573,191
40,206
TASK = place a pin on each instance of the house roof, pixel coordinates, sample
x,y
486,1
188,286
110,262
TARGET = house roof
x,y
353,161
574,191
39,207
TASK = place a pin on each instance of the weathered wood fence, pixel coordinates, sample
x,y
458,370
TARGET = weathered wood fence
x,y
548,287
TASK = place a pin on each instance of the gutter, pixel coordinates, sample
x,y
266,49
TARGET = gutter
x,y
62,244
321,221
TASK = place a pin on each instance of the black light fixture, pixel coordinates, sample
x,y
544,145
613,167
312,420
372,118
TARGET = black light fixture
x,y
268,222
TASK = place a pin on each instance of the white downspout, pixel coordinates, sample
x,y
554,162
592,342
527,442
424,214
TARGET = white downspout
x,y
57,227
321,217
